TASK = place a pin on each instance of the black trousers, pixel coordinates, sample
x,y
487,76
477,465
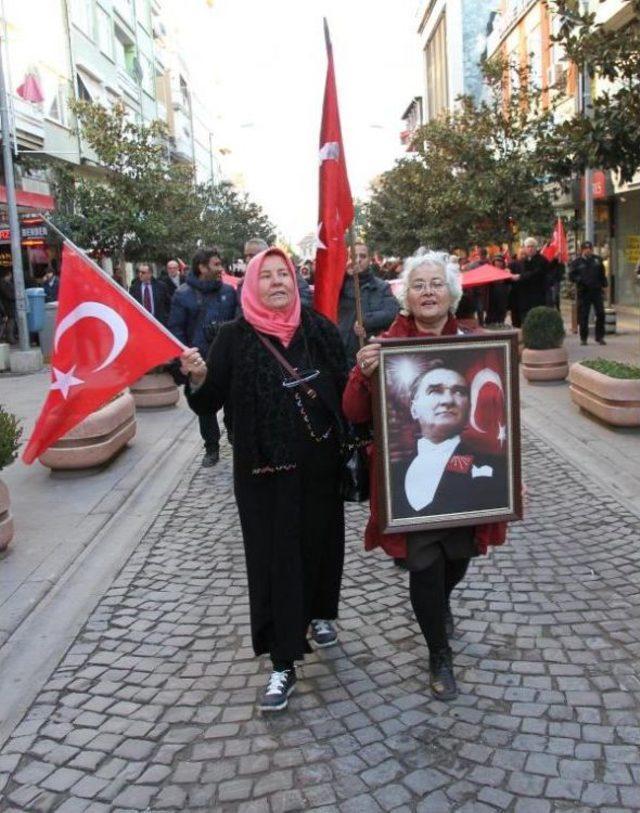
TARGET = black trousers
x,y
209,431
430,590
588,297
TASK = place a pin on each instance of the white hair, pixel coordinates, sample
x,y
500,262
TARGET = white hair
x,y
530,241
439,260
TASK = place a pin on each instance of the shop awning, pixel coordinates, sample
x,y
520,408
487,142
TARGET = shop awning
x,y
30,200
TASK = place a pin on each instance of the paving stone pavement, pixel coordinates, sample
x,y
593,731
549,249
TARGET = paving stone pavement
x,y
153,706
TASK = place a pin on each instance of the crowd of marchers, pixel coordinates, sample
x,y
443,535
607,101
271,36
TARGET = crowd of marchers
x,y
294,388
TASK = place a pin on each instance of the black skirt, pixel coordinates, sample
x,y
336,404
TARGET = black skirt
x,y
293,531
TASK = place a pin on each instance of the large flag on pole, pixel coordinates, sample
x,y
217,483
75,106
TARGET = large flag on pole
x,y
558,246
336,206
103,341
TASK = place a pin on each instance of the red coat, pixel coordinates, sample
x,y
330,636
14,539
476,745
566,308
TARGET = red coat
x,y
356,404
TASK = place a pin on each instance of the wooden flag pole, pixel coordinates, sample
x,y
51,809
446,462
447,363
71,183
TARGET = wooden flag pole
x,y
356,283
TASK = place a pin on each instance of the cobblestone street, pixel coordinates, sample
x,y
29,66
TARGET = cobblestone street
x,y
153,706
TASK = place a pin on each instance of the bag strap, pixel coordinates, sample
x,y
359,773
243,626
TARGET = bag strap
x,y
285,364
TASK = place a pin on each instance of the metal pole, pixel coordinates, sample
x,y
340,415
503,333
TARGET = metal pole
x,y
356,282
14,223
588,172
211,159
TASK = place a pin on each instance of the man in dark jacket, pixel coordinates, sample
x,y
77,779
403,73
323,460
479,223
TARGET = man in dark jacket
x,y
531,279
198,308
172,278
379,305
587,271
150,293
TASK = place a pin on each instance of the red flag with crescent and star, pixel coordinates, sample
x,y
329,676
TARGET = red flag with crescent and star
x,y
103,341
558,246
336,206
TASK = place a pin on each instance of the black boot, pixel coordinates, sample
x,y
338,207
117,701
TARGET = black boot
x,y
211,457
448,623
442,680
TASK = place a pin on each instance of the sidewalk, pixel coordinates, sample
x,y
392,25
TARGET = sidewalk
x,y
57,515
610,456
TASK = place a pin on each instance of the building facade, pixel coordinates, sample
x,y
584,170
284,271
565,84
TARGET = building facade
x,y
452,35
105,51
522,32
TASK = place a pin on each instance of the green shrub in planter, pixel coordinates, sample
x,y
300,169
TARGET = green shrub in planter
x,y
543,329
614,369
10,434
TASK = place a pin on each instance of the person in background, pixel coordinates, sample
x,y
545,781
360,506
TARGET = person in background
x,y
588,273
172,278
498,296
51,285
479,294
198,309
379,305
531,279
150,293
8,304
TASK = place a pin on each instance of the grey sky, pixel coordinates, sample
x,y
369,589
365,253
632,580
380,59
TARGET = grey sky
x,y
261,68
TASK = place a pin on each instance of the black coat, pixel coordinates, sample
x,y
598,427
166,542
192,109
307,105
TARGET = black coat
x,y
458,491
169,284
379,309
161,298
589,273
531,289
292,515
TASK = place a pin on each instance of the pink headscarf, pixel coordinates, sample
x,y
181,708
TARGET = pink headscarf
x,y
282,324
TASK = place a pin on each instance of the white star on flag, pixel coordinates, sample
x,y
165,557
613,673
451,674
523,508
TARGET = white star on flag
x,y
330,151
64,381
318,242
502,433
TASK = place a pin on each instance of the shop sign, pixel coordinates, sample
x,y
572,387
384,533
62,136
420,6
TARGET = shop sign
x,y
632,248
28,233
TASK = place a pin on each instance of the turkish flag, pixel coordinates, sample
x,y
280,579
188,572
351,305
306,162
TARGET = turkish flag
x,y
103,341
487,429
483,275
558,246
336,206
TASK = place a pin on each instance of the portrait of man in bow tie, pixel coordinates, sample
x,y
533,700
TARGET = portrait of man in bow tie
x,y
448,456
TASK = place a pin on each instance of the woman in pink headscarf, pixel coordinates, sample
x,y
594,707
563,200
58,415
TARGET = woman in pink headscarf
x,y
280,370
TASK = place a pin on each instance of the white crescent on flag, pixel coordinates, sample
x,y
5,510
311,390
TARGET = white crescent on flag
x,y
97,310
330,151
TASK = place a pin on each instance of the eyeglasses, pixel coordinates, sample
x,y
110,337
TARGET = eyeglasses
x,y
420,287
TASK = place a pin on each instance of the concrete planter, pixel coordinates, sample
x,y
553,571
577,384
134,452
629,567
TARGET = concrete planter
x,y
155,390
6,520
614,400
97,439
545,365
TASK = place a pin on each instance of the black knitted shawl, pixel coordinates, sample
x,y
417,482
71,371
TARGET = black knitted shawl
x,y
268,424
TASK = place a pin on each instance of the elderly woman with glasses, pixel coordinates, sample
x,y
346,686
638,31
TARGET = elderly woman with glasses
x,y
281,369
437,560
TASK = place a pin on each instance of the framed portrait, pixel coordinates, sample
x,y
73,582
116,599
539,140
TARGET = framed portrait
x,y
447,427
